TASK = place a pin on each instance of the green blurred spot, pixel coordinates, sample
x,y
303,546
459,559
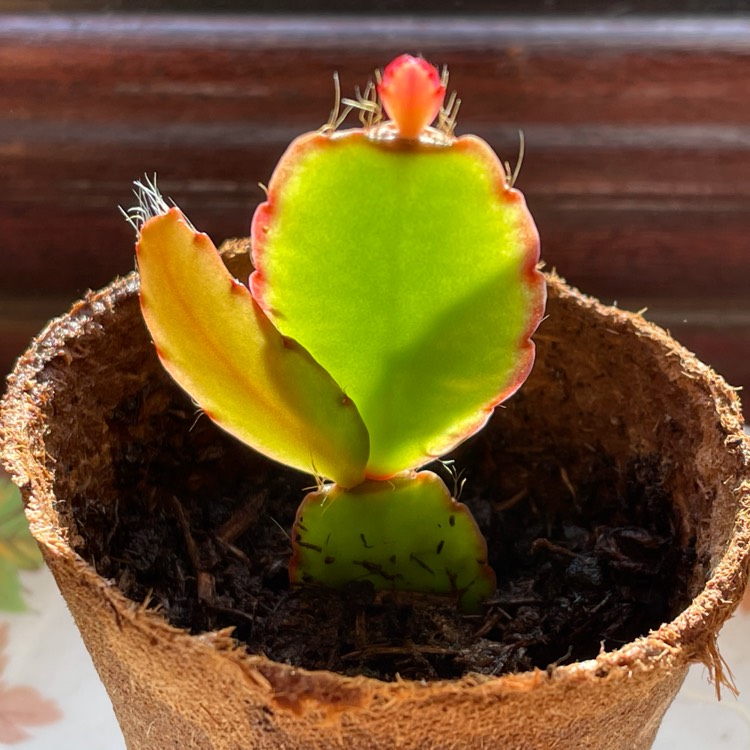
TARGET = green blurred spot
x,y
18,550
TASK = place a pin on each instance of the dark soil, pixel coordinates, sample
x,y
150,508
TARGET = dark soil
x,y
586,553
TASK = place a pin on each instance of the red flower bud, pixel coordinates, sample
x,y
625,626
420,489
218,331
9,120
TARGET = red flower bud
x,y
412,94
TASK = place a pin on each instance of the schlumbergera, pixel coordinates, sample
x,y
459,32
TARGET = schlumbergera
x,y
391,307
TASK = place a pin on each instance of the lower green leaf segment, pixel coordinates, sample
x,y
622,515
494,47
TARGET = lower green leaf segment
x,y
406,533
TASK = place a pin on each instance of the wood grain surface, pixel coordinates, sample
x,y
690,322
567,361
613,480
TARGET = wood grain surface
x,y
637,134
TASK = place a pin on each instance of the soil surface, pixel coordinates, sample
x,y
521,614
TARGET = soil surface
x,y
587,554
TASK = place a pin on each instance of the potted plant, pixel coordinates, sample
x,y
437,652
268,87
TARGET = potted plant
x,y
394,293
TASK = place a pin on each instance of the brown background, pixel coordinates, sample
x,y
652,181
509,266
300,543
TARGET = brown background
x,y
637,130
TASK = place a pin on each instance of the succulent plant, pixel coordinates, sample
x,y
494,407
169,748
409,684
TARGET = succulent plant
x,y
391,307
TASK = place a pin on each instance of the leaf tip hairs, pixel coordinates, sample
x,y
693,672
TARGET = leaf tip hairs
x,y
151,203
511,173
459,480
448,114
367,104
337,116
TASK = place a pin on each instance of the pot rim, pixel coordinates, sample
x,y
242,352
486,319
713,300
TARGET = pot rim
x,y
689,637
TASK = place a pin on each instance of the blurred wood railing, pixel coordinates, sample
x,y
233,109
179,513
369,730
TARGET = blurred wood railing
x,y
637,136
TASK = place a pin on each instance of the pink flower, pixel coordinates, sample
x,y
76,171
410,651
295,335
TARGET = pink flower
x,y
412,94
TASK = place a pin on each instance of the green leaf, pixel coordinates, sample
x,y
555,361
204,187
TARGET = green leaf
x,y
215,341
11,595
407,533
408,272
17,546
18,550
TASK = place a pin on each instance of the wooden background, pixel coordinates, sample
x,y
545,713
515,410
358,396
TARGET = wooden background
x,y
637,131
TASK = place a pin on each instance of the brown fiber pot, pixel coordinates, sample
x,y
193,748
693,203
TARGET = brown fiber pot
x,y
605,380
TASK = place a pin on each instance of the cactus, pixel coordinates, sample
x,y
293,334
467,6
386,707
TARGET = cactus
x,y
391,307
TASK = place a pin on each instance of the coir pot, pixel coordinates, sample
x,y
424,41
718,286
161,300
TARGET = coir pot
x,y
605,383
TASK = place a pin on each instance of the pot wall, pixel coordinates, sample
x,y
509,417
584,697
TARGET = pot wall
x,y
173,691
